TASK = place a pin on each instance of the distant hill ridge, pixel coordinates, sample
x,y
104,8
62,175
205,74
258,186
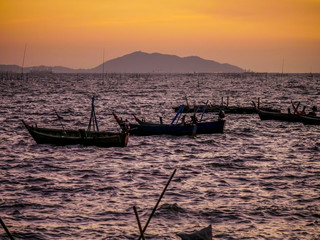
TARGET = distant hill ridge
x,y
141,62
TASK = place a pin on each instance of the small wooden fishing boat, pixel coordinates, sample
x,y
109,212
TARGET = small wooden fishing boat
x,y
147,128
84,137
222,107
289,117
226,109
72,137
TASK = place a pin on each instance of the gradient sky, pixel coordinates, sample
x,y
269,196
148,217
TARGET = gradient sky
x,y
252,34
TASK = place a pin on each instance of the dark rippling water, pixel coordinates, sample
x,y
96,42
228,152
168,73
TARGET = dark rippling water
x,y
258,180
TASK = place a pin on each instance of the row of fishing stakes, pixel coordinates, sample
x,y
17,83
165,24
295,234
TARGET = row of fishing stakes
x,y
13,76
142,231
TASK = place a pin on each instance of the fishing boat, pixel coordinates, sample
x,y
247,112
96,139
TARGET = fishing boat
x,y
222,107
226,109
87,137
72,137
143,128
178,130
288,117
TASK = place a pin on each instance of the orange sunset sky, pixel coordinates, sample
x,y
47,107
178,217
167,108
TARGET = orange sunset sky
x,y
252,34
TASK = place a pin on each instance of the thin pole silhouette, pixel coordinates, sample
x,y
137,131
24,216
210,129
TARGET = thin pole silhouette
x,y
155,207
138,221
6,229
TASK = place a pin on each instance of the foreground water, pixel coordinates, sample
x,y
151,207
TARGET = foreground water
x,y
258,180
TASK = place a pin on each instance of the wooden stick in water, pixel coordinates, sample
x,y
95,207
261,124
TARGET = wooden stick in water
x,y
6,229
155,207
138,221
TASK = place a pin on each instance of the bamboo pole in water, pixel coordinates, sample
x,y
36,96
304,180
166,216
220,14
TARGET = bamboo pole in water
x,y
6,229
155,207
138,221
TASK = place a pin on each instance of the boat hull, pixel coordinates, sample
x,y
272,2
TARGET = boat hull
x,y
288,117
73,137
310,120
226,109
265,115
177,130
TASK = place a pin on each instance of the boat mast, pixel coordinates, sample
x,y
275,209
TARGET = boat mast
x,y
93,119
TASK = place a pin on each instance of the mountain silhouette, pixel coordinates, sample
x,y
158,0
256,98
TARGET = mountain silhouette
x,y
141,62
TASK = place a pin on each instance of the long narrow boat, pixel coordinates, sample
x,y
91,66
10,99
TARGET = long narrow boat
x,y
72,137
84,137
226,109
143,129
222,107
289,117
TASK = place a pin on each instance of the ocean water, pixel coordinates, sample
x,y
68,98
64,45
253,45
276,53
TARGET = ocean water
x,y
257,180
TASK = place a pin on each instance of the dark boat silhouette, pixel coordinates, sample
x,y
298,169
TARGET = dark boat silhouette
x,y
84,137
148,128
